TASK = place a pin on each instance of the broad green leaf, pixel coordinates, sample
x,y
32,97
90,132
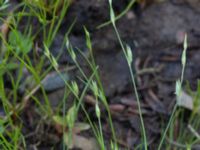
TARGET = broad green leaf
x,y
21,43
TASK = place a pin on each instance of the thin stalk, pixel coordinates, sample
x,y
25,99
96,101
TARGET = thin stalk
x,y
135,89
168,125
92,66
139,108
174,109
132,2
63,111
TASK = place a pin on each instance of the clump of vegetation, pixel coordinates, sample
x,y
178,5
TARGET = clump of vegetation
x,y
28,30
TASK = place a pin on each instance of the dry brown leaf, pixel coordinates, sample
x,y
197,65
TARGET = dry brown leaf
x,y
185,101
82,143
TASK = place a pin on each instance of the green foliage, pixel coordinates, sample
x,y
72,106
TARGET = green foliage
x,y
128,55
50,15
19,42
6,67
177,92
75,88
88,40
4,4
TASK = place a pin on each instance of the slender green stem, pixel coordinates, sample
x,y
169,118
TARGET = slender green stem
x,y
63,111
132,2
173,112
92,65
135,90
182,74
168,125
139,108
101,134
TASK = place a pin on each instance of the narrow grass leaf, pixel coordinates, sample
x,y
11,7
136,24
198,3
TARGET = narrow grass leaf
x,y
75,88
97,110
129,55
178,88
54,62
72,53
94,88
183,58
88,41
112,15
46,51
71,116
